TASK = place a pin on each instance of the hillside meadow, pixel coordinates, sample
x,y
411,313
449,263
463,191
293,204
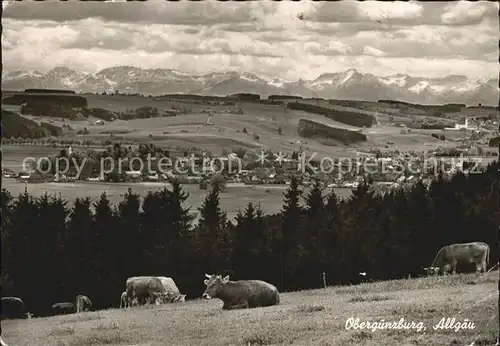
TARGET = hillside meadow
x,y
315,317
188,129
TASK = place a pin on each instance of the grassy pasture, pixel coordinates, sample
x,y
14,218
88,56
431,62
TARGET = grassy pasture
x,y
227,133
262,119
190,130
315,317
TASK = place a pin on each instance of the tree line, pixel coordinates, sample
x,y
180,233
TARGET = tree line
x,y
51,252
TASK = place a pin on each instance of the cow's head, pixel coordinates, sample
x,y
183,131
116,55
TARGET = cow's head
x,y
214,285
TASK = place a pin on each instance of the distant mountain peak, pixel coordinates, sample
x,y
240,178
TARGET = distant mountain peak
x,y
61,70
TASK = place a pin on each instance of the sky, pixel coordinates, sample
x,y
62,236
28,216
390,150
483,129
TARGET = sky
x,y
427,39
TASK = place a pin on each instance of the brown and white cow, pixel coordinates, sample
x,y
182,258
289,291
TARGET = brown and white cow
x,y
449,256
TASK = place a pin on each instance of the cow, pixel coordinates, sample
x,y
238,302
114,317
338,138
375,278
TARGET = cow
x,y
144,287
83,303
64,308
449,256
13,307
173,293
240,294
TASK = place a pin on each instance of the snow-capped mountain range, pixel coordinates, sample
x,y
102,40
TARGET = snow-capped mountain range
x,y
349,85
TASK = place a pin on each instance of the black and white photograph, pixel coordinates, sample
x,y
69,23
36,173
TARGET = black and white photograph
x,y
179,173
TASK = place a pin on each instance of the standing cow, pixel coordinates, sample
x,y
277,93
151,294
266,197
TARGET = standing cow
x,y
83,303
13,307
144,287
240,294
449,256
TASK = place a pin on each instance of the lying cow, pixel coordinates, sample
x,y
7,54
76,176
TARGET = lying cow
x,y
83,303
449,256
240,294
144,287
13,307
64,308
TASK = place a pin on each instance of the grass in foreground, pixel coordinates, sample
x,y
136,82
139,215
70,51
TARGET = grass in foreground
x,y
316,317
